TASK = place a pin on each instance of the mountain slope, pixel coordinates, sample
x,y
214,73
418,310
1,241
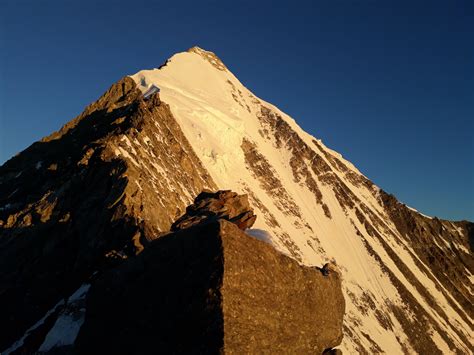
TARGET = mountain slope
x,y
119,174
318,206
77,201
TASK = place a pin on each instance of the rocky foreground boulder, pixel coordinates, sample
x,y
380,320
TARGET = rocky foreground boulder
x,y
212,288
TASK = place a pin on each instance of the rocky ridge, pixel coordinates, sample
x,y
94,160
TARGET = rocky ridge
x,y
78,200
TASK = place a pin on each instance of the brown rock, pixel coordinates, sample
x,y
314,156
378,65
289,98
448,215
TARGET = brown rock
x,y
86,198
330,268
224,204
212,288
272,304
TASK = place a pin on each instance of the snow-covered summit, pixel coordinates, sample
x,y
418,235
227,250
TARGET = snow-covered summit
x,y
100,190
316,206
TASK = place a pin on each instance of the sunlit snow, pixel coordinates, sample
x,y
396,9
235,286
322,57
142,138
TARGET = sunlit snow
x,y
216,112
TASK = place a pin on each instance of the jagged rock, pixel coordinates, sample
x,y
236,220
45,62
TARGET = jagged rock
x,y
329,268
211,288
224,204
97,206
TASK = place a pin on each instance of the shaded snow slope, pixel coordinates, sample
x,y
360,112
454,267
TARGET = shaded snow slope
x,y
317,207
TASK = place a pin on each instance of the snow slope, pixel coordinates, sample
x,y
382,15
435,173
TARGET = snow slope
x,y
315,205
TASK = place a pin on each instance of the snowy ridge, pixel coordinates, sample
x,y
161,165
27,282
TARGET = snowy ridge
x,y
315,205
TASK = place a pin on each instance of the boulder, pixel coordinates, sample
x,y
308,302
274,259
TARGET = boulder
x,y
208,287
210,206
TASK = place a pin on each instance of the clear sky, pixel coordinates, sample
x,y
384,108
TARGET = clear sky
x,y
388,84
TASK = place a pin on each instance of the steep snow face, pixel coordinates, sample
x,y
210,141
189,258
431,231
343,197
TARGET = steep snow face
x,y
314,205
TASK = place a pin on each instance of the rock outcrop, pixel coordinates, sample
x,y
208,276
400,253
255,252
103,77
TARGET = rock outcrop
x,y
208,207
210,288
205,287
87,197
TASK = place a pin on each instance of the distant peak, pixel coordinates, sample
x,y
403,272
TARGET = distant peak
x,y
211,57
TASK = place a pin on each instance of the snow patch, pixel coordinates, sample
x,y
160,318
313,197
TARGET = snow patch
x,y
125,154
153,89
19,343
67,326
414,210
260,234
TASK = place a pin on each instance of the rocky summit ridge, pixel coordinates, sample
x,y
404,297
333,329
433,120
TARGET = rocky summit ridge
x,y
112,182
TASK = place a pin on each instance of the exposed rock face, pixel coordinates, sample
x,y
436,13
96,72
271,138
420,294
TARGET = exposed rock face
x,y
427,237
443,251
210,206
211,57
167,299
211,288
272,304
88,196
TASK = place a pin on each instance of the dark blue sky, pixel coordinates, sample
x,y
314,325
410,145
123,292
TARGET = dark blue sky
x,y
389,84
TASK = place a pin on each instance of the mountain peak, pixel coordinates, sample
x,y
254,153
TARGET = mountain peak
x,y
98,193
197,49
211,57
